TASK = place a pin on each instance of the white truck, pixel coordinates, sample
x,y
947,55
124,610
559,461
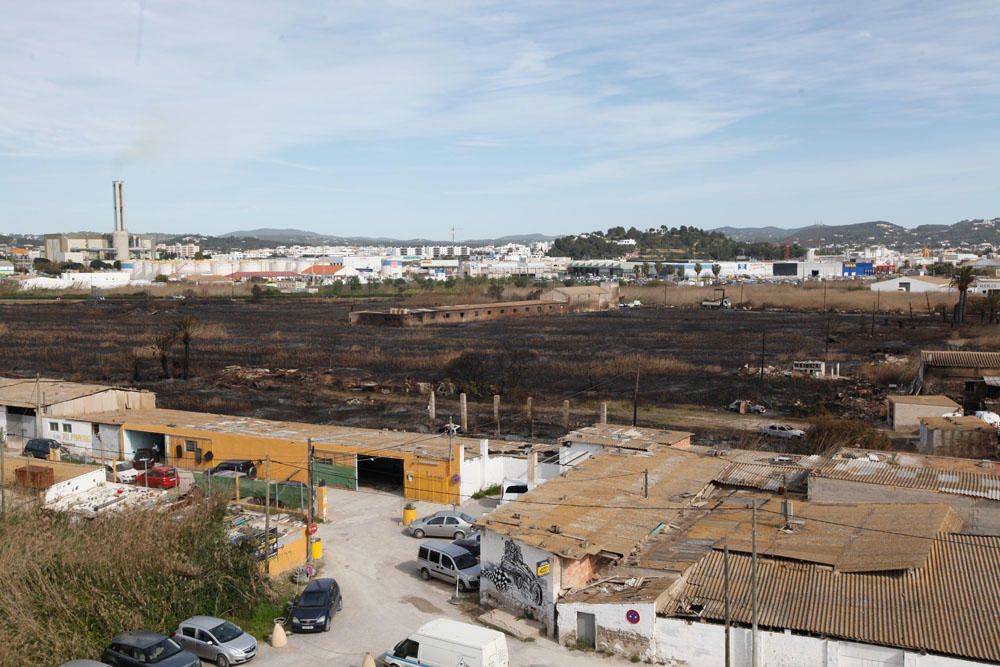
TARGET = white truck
x,y
718,300
446,643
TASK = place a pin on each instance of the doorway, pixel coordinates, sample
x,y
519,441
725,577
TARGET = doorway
x,y
586,630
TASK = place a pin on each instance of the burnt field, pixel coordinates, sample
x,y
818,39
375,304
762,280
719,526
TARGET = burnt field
x,y
300,360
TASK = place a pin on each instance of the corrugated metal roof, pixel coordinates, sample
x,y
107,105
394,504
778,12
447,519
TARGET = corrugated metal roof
x,y
992,380
960,358
950,606
599,507
625,437
24,393
762,476
881,472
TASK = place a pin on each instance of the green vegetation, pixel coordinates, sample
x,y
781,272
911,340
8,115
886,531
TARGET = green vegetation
x,y
665,243
70,586
488,491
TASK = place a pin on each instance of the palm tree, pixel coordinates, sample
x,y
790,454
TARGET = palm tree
x,y
716,270
161,348
698,269
185,328
963,279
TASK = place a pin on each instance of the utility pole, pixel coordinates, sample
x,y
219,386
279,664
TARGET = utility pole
x,y
267,514
309,499
754,653
635,396
451,434
725,584
645,483
760,382
38,405
3,487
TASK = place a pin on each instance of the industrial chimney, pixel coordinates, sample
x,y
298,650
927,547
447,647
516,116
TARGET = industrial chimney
x,y
119,238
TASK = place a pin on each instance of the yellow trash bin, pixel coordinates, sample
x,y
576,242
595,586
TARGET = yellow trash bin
x,y
409,515
317,547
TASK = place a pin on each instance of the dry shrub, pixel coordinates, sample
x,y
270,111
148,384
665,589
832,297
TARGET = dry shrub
x,y
211,331
828,433
889,372
70,586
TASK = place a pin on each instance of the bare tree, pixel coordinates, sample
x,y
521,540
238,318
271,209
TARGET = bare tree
x,y
185,328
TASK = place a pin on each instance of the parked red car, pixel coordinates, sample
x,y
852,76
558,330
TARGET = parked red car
x,y
160,477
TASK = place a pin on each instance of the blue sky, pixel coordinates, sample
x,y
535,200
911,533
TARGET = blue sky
x,y
406,117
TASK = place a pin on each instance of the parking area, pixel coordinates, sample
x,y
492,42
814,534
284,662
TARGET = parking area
x,y
385,599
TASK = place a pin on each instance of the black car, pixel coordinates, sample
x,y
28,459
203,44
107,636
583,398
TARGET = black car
x,y
144,459
147,648
470,543
245,466
313,610
40,448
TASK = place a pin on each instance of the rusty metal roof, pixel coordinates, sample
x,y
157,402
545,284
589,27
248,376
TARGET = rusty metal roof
x,y
949,606
625,437
960,358
26,393
598,507
980,485
391,443
762,476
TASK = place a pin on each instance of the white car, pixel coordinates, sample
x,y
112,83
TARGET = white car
x,y
123,470
782,431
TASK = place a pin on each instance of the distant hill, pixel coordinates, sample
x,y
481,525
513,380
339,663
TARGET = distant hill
x,y
299,236
877,232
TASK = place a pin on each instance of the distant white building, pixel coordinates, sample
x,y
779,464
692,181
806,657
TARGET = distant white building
x,y
916,284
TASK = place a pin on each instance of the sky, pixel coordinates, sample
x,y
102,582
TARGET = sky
x,y
409,117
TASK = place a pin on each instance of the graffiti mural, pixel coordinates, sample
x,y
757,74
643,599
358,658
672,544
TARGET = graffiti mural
x,y
513,577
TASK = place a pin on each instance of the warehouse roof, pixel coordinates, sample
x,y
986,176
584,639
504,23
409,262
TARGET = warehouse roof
x,y
26,393
960,359
599,506
925,399
625,437
956,424
763,476
887,473
949,606
430,445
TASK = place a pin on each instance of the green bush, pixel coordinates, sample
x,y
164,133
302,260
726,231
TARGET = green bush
x,y
70,585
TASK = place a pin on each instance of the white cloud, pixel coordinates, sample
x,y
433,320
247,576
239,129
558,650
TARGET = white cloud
x,y
246,80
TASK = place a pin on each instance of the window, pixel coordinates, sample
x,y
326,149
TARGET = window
x,y
447,563
67,428
435,557
204,637
451,521
96,428
436,521
191,445
422,554
406,649
187,632
53,426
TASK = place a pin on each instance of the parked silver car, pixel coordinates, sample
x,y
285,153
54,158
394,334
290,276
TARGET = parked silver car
x,y
782,431
447,523
216,640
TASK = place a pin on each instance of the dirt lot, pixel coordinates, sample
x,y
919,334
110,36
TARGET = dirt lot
x,y
384,597
299,359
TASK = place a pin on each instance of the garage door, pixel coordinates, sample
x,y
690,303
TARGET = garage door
x,y
861,655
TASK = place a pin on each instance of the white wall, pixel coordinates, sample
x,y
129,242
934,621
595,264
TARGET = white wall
x,y
613,631
3,418
485,471
509,578
78,484
696,644
77,440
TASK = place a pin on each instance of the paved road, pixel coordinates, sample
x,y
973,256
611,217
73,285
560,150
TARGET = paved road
x,y
384,598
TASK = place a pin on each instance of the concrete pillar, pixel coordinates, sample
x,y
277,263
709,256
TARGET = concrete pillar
x,y
531,420
604,413
463,408
566,414
496,411
432,408
532,468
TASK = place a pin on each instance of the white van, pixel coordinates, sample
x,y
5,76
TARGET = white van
x,y
512,489
446,643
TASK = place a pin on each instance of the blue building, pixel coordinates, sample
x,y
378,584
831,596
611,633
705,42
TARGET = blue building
x,y
855,269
